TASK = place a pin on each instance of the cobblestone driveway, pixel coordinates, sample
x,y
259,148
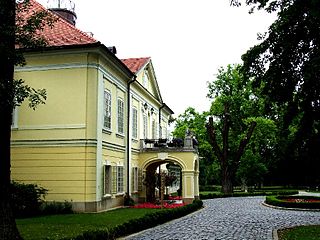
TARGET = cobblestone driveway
x,y
231,218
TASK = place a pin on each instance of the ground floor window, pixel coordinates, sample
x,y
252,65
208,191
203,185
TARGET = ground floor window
x,y
107,179
135,178
119,179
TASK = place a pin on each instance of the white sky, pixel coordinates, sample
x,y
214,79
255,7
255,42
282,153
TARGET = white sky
x,y
187,40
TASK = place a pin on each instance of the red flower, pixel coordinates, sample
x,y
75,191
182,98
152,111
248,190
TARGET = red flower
x,y
152,205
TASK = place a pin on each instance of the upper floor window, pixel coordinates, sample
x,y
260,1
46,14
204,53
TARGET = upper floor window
x,y
154,129
120,116
145,80
134,123
107,110
145,126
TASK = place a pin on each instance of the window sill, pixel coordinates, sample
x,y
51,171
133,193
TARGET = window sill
x,y
106,196
119,194
120,135
106,130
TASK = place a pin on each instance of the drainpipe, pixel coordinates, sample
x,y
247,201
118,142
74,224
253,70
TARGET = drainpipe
x,y
160,130
128,133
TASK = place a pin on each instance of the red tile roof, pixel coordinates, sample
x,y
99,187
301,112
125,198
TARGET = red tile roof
x,y
135,64
62,33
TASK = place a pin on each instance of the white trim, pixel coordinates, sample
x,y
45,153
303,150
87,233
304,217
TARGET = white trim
x,y
99,165
53,143
52,127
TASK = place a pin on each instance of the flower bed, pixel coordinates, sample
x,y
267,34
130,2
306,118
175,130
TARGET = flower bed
x,y
152,205
306,202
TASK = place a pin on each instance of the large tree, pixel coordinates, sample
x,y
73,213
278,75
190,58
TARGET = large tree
x,y
194,122
16,31
287,64
229,133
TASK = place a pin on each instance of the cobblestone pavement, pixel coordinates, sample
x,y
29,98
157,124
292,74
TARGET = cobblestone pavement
x,y
230,218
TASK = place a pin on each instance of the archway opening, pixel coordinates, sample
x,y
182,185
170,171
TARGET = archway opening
x,y
172,180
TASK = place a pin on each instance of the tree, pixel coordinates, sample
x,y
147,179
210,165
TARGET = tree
x,y
287,65
195,122
233,101
15,31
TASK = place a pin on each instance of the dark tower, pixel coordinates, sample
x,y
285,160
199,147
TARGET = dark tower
x,y
63,8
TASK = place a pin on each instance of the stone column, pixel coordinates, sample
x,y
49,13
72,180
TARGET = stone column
x,y
196,185
188,186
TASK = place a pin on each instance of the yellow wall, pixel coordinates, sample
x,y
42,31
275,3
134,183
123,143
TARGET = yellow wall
x,y
67,172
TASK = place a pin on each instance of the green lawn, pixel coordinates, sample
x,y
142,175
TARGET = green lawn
x,y
300,233
60,226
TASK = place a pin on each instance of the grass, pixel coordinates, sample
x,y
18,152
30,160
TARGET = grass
x,y
70,225
300,233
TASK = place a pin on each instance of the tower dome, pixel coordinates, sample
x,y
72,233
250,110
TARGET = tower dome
x,y
63,8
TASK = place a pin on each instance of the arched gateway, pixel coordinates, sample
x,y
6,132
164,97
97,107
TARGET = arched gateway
x,y
185,157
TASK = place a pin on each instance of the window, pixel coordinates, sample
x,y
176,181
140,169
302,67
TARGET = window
x,y
145,80
164,131
107,110
114,179
120,116
135,179
134,123
107,179
119,179
154,129
145,126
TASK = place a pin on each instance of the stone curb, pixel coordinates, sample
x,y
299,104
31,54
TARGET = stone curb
x,y
275,234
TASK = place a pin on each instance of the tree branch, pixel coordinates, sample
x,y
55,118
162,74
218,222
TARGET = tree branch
x,y
244,142
212,139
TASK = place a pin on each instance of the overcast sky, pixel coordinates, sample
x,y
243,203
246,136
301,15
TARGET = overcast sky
x,y
187,40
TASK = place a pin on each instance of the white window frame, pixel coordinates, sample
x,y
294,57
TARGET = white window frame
x,y
107,180
135,175
145,126
134,123
120,116
107,119
154,129
120,187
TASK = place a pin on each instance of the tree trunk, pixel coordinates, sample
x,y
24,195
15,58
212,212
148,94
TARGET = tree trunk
x,y
227,185
8,229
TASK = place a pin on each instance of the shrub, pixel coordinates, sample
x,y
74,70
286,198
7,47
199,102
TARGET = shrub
x,y
139,224
26,199
247,194
128,201
294,201
50,208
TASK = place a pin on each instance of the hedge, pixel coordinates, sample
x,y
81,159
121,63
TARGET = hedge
x,y
248,194
281,201
139,224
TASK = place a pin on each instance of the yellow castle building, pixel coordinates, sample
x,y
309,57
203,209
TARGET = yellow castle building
x,y
104,126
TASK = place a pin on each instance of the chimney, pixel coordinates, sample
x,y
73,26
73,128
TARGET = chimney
x,y
63,8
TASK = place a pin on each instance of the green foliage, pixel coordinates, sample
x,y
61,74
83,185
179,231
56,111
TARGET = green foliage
x,y
51,208
282,201
107,225
285,64
26,199
128,201
300,233
195,122
211,195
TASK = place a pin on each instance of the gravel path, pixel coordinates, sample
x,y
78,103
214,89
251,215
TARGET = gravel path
x,y
241,218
